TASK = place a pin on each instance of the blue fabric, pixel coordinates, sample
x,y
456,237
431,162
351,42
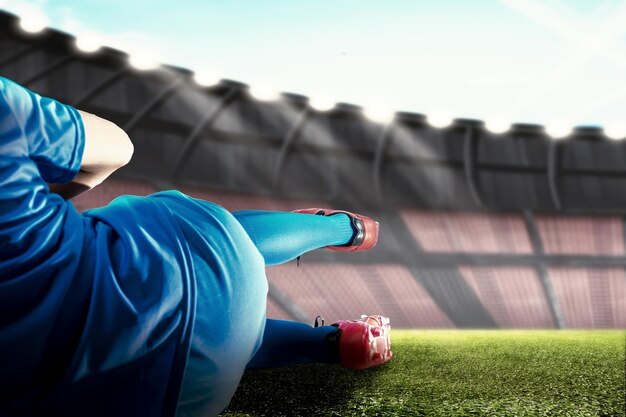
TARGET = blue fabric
x,y
230,312
287,343
115,311
212,375
281,237
97,311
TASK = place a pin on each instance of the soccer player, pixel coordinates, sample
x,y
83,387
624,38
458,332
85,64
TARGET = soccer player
x,y
150,306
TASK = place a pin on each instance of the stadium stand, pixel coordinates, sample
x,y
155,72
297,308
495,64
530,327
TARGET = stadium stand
x,y
468,232
591,297
582,235
513,296
460,246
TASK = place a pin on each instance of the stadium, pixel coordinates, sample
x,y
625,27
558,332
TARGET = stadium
x,y
502,255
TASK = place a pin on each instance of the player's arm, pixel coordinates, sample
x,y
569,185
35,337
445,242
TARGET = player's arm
x,y
107,148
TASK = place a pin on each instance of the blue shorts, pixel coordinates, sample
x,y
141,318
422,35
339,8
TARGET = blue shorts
x,y
230,285
110,312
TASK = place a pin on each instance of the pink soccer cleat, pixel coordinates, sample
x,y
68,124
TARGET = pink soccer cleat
x,y
366,229
364,343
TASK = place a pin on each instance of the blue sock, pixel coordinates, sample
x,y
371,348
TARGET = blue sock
x,y
287,343
281,236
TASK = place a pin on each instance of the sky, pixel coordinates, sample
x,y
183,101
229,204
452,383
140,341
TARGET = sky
x,y
554,62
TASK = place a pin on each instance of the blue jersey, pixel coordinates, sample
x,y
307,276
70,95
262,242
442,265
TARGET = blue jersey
x,y
99,311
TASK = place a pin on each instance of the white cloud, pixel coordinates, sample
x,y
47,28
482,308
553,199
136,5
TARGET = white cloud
x,y
23,7
501,80
470,71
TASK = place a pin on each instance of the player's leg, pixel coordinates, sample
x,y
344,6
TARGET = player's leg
x,y
281,236
357,344
41,141
230,315
287,343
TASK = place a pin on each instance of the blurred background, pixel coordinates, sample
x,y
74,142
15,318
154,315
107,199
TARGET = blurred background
x,y
500,222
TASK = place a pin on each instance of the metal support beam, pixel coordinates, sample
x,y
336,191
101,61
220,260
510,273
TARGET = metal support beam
x,y
48,70
542,270
466,311
151,105
624,229
470,145
624,236
291,136
192,139
98,88
397,245
18,54
379,159
454,297
176,128
554,157
455,259
286,303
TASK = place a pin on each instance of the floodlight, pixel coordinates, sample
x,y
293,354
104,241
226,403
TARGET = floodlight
x,y
497,126
559,129
379,114
615,130
439,119
206,78
88,43
33,23
143,62
264,92
322,103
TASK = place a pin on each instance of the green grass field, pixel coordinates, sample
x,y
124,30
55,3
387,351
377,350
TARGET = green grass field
x,y
455,373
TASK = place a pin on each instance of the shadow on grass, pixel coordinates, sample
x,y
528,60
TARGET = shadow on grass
x,y
305,390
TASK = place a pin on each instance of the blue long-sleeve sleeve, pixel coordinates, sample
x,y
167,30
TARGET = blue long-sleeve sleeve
x,y
41,140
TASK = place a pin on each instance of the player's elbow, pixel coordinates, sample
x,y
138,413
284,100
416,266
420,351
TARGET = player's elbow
x,y
125,147
107,146
119,148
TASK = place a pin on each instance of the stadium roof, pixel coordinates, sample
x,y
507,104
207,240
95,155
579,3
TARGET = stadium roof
x,y
206,138
406,161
